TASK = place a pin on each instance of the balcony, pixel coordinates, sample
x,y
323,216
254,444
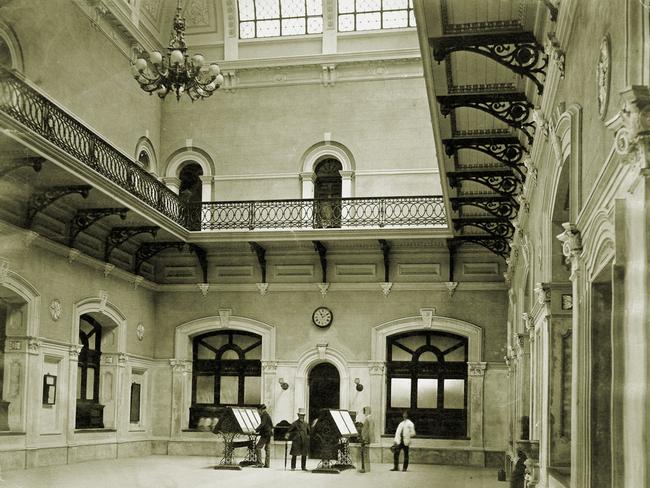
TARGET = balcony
x,y
32,119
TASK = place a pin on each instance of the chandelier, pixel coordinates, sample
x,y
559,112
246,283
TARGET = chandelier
x,y
177,72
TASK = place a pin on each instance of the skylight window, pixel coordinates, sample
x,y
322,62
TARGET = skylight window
x,y
363,15
277,18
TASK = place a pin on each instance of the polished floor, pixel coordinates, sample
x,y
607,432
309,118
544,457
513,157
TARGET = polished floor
x,y
198,472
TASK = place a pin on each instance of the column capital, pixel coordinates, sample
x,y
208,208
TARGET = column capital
x,y
269,367
377,368
346,175
476,368
632,124
181,366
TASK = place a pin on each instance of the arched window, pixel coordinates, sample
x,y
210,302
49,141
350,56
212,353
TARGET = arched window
x,y
143,159
89,411
327,193
226,370
427,375
190,176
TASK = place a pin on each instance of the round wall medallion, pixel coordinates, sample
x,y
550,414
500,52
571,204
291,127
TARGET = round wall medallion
x,y
139,331
603,73
322,317
55,309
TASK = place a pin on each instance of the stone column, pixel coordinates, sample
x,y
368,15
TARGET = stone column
x,y
72,390
206,188
173,183
181,378
346,183
476,377
377,382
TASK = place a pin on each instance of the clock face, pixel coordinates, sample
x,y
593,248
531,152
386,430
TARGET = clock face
x,y
322,317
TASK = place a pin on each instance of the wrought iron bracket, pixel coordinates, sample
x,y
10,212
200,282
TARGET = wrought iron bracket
x,y
147,250
261,258
495,227
322,254
385,249
86,217
499,206
505,149
498,245
516,50
35,163
513,108
119,235
502,181
40,201
202,256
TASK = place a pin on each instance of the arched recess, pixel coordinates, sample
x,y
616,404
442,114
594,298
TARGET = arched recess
x,y
182,361
183,157
310,358
115,326
11,54
19,333
327,150
144,151
474,335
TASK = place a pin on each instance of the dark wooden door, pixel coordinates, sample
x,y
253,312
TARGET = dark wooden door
x,y
324,384
327,193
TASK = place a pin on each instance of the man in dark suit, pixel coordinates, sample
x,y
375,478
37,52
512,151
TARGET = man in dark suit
x,y
265,430
298,434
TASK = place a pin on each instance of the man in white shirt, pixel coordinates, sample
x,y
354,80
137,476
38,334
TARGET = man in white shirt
x,y
403,435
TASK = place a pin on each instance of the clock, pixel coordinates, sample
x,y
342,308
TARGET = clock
x,y
322,317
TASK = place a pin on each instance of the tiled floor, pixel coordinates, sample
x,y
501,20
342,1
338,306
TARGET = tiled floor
x,y
198,472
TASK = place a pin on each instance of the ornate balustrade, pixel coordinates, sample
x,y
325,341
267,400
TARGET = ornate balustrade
x,y
382,212
40,115
35,111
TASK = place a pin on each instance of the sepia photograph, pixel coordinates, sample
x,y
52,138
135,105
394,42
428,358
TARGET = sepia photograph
x,y
324,243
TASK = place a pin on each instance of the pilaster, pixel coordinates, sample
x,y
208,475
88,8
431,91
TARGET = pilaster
x,y
181,395
476,380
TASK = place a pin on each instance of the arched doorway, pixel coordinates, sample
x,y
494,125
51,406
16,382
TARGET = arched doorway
x,y
324,389
190,192
327,193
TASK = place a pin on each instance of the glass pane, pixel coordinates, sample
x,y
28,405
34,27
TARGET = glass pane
x,y
413,342
90,384
399,354
293,27
252,390
427,393
394,19
205,389
346,23
314,7
216,341
455,394
229,390
456,355
246,10
79,373
314,25
247,30
346,6
293,8
400,392
267,9
268,28
428,356
368,5
395,4
205,353
229,354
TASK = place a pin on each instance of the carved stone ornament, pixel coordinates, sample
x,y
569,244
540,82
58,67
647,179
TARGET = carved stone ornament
x,y
263,288
137,281
73,255
108,269
323,287
139,331
543,293
476,369
451,287
377,367
33,345
74,351
603,75
224,317
181,366
55,309
4,270
203,287
553,50
571,242
427,317
103,299
386,287
632,125
269,367
322,350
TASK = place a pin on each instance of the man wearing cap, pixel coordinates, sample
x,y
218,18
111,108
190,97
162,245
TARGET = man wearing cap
x,y
298,434
265,430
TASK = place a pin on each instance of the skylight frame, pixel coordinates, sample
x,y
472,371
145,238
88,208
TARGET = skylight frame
x,y
409,10
313,12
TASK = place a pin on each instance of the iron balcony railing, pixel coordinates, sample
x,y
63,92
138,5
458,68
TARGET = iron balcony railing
x,y
35,111
382,212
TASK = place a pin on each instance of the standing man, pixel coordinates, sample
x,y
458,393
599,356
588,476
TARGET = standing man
x,y
265,430
298,434
367,438
405,431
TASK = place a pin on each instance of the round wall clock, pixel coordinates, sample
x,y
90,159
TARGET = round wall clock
x,y
322,317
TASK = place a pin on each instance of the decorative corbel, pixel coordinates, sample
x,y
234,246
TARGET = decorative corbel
x,y
328,74
323,287
322,350
451,287
108,269
203,287
30,237
73,255
571,245
224,317
263,288
541,122
632,125
386,287
543,293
